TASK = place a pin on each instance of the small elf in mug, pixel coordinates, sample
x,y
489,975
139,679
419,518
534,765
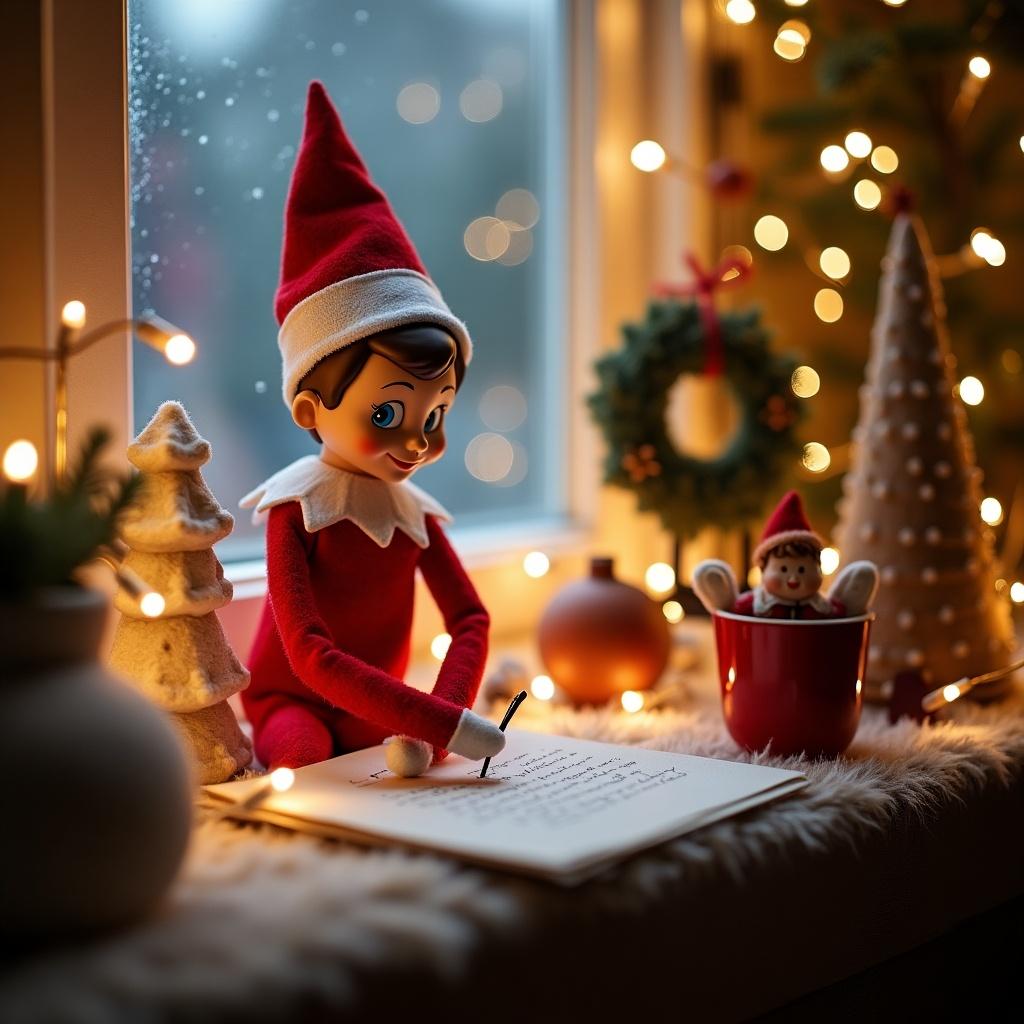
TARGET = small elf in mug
x,y
372,362
789,557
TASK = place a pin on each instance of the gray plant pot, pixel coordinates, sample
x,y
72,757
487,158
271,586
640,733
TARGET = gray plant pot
x,y
95,797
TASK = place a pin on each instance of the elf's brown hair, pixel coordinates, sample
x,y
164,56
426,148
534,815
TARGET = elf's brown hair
x,y
426,356
791,549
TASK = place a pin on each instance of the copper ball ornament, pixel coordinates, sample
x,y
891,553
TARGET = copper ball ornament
x,y
599,637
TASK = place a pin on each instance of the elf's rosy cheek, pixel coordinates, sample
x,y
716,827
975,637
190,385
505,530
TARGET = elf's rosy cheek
x,y
368,445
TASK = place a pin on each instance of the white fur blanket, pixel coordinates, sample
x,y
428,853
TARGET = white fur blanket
x,y
259,917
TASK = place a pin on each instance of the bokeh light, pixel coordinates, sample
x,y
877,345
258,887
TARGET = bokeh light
x,y
834,159
536,564
834,262
152,604
481,100
673,611
440,644
21,460
1017,592
805,382
418,103
179,350
520,206
282,779
632,701
828,305
816,457
829,561
73,314
771,232
858,144
647,155
972,391
660,577
884,159
740,12
979,67
487,238
503,408
867,194
991,511
489,457
542,687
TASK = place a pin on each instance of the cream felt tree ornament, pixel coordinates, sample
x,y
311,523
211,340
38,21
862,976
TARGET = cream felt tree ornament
x,y
181,660
912,495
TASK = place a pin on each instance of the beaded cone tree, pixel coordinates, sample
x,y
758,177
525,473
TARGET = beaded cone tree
x,y
912,495
181,660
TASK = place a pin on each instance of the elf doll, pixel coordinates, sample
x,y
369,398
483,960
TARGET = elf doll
x,y
789,557
372,361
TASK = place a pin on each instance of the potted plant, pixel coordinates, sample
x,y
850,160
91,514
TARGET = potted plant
x,y
95,796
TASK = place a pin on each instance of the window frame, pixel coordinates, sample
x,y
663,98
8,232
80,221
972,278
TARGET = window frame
x,y
627,79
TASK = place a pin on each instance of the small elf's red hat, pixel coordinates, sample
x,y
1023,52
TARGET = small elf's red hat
x,y
788,523
348,269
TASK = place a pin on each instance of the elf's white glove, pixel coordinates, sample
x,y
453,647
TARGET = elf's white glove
x,y
856,586
715,585
474,737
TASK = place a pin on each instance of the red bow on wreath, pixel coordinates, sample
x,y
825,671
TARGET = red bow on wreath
x,y
703,287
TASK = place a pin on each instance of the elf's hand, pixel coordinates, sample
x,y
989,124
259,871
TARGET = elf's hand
x,y
715,585
407,757
856,587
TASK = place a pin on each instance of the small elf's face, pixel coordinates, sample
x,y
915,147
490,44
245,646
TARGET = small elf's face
x,y
388,423
793,578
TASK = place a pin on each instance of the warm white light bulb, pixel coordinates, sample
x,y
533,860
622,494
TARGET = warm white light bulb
x,y
740,12
816,457
282,779
660,577
440,644
536,564
21,460
951,692
805,382
1017,592
972,391
647,156
771,232
979,67
673,611
834,159
834,262
179,350
152,604
632,701
73,314
828,305
991,511
884,159
542,687
858,144
829,561
867,194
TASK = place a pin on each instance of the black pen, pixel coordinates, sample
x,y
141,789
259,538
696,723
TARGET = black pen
x,y
512,709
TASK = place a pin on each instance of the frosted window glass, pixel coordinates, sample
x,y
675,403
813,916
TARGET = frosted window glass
x,y
456,106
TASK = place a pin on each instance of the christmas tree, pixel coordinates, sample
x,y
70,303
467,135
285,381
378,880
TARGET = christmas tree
x,y
181,660
912,495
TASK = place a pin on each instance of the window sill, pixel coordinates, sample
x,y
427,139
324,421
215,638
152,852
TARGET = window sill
x,y
480,547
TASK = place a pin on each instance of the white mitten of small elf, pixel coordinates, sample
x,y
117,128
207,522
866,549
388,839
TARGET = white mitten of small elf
x,y
855,587
715,585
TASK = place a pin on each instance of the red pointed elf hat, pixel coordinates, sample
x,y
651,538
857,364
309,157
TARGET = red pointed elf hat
x,y
787,524
348,269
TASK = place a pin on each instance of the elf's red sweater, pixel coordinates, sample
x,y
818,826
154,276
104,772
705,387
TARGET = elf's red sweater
x,y
334,634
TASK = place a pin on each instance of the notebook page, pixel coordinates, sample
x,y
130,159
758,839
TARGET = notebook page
x,y
549,803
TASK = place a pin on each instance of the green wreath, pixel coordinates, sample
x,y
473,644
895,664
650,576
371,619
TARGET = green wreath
x,y
630,406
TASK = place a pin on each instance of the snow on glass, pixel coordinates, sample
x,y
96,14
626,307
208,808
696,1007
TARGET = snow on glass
x,y
216,93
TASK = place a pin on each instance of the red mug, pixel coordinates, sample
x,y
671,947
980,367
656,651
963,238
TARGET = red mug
x,y
792,683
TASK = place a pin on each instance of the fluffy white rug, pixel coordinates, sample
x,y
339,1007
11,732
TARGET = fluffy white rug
x,y
259,916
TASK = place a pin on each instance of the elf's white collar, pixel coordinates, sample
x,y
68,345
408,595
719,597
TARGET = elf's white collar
x,y
327,495
764,602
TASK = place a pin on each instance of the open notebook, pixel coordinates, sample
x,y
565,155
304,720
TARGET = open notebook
x,y
550,806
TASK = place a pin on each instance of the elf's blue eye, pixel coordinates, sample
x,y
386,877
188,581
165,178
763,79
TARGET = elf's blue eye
x,y
434,420
388,416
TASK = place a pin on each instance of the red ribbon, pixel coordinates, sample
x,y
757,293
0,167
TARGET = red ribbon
x,y
703,287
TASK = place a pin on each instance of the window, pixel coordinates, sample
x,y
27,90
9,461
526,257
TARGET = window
x,y
457,108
